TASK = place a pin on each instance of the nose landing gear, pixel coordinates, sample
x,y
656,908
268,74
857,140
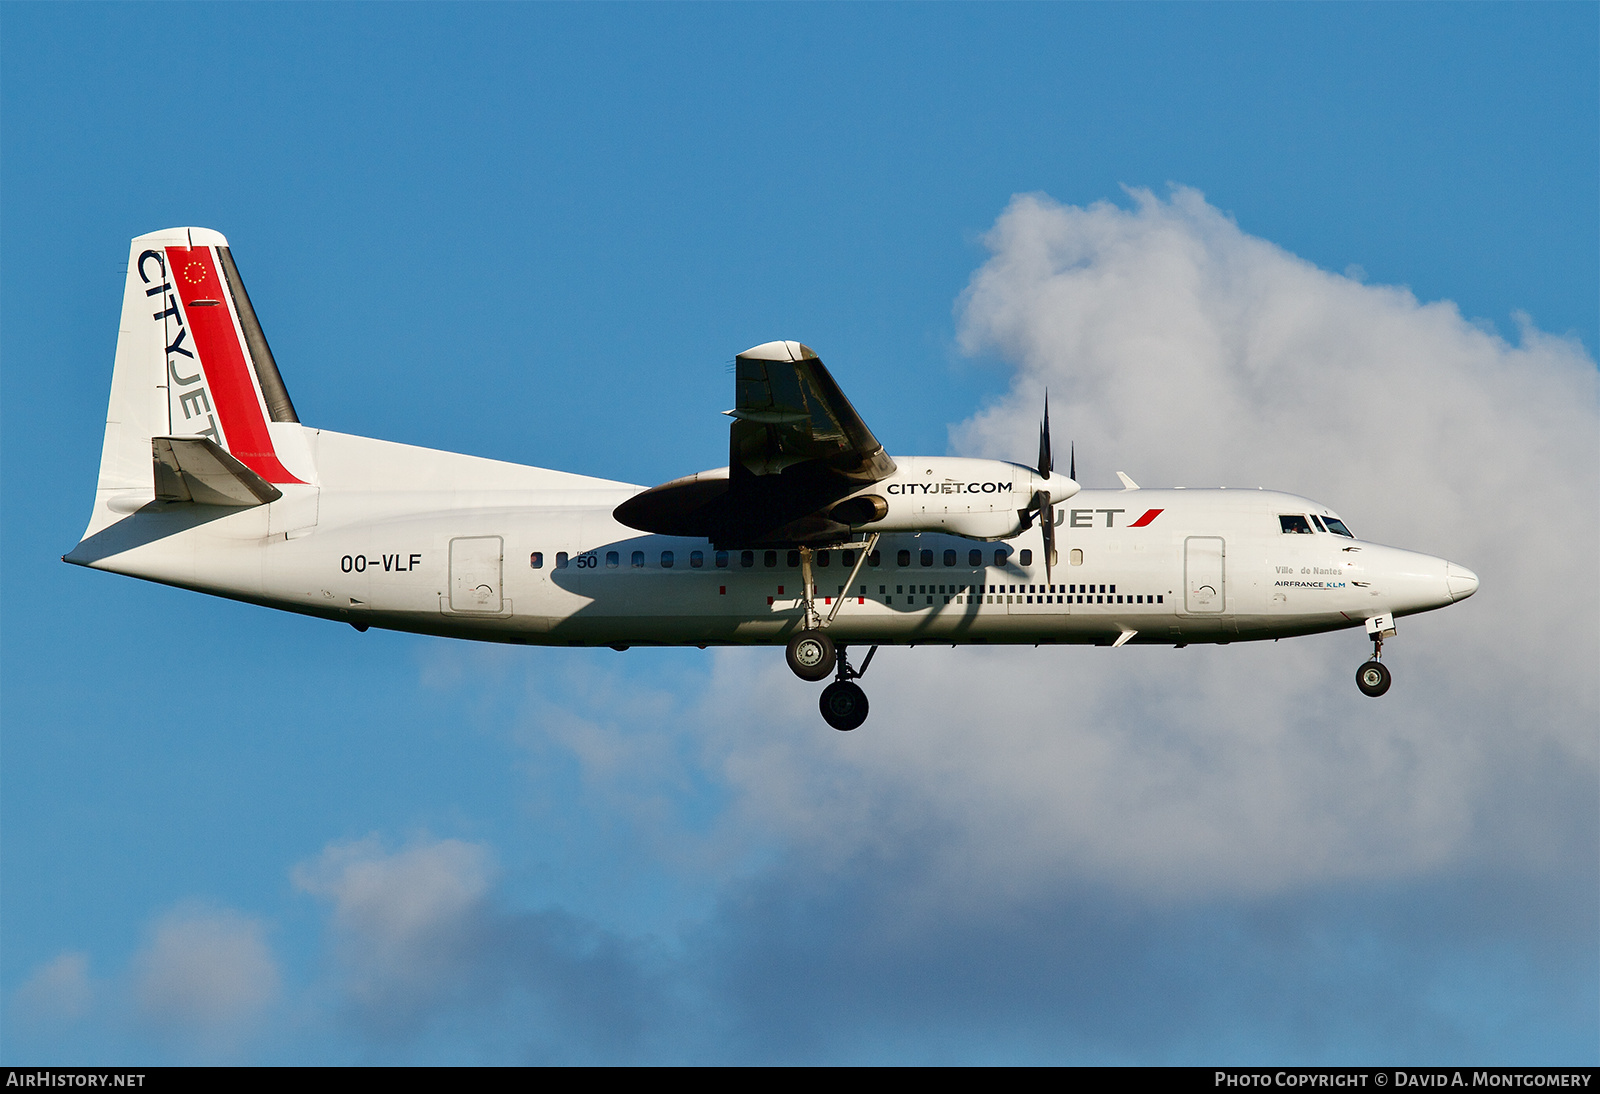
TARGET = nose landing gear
x,y
1374,678
843,703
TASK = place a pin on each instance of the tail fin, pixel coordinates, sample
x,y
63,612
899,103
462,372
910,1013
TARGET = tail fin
x,y
192,362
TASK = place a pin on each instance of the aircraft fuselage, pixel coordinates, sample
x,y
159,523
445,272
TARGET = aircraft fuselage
x,y
493,551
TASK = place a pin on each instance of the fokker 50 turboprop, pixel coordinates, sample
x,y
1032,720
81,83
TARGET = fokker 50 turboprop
x,y
812,537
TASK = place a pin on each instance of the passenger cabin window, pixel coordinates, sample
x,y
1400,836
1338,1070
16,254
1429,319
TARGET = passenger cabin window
x,y
794,559
747,559
722,560
561,560
1295,525
638,560
697,559
536,560
927,557
974,558
1027,557
847,558
823,557
950,557
613,560
1076,557
1336,526
874,559
903,558
771,559
1001,555
666,560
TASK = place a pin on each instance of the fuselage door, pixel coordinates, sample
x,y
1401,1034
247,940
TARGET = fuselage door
x,y
475,563
1204,562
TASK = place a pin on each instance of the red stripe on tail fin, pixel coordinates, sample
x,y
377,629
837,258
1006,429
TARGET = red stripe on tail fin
x,y
216,339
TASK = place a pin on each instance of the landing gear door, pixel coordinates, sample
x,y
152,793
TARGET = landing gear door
x,y
475,564
1204,561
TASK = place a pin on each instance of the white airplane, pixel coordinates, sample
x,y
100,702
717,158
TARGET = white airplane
x,y
812,537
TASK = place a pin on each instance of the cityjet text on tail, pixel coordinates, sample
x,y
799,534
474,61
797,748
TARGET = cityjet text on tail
x,y
813,537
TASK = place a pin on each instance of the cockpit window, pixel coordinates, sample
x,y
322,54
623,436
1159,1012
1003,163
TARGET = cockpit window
x,y
1295,525
1318,522
1336,526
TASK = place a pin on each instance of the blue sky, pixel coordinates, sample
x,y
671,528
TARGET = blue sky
x,y
540,233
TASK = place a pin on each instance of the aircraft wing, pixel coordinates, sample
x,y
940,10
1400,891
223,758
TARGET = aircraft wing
x,y
790,412
796,446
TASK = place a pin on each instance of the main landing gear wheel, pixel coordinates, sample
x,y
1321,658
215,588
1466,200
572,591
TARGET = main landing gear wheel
x,y
844,705
1373,678
811,656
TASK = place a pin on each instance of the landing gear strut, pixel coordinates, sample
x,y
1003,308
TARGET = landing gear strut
x,y
843,703
1374,678
812,655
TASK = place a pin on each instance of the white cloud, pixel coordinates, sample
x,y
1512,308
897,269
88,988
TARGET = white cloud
x,y
205,976
422,938
1083,838
1183,350
407,924
58,992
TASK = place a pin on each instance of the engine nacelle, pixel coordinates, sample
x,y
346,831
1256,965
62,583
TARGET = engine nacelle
x,y
980,499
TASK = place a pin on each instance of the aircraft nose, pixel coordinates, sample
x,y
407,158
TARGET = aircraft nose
x,y
1461,581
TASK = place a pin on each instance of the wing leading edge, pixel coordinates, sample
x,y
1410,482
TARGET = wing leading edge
x,y
796,447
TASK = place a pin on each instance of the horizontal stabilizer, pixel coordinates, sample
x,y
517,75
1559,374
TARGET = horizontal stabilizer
x,y
197,469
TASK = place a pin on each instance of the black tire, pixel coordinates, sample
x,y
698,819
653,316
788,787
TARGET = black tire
x,y
1373,678
811,656
843,705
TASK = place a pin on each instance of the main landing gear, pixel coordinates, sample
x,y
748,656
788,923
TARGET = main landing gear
x,y
843,703
812,655
1374,678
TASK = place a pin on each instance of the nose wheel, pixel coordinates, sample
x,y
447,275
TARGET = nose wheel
x,y
1374,678
843,704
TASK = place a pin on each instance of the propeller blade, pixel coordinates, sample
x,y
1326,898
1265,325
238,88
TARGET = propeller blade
x,y
1047,528
1046,463
1072,472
